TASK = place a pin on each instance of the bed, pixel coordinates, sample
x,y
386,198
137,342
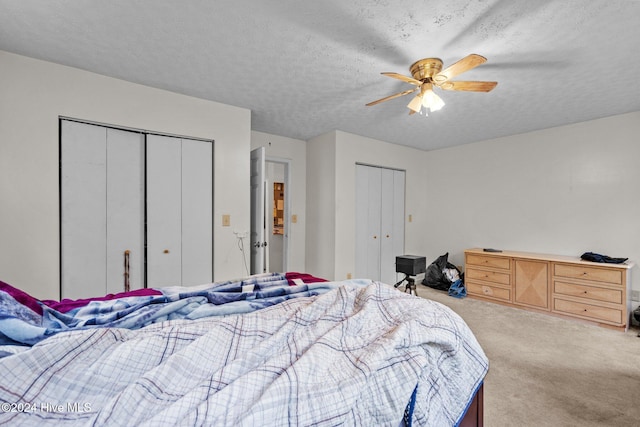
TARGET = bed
x,y
269,349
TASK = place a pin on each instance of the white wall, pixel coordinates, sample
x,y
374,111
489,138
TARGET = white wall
x,y
295,151
331,161
321,205
352,149
564,190
33,94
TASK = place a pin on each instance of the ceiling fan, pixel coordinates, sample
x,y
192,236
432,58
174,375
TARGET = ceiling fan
x,y
427,73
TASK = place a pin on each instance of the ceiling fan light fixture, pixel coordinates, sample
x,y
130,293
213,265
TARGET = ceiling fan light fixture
x,y
432,101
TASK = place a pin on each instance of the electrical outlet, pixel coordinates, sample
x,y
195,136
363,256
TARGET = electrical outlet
x,y
635,295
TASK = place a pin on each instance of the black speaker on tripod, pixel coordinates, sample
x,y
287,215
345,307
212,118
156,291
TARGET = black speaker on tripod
x,y
410,266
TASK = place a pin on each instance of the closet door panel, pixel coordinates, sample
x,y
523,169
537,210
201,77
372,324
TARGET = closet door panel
x,y
362,230
373,223
197,208
387,235
125,208
164,211
368,222
83,210
397,229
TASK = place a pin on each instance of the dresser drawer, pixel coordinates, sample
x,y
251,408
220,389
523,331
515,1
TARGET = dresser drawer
x,y
488,291
594,274
489,261
589,311
487,275
592,292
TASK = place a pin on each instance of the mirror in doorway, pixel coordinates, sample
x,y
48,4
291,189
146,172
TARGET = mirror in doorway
x,y
278,208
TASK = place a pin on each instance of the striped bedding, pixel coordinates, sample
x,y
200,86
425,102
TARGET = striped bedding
x,y
24,320
353,354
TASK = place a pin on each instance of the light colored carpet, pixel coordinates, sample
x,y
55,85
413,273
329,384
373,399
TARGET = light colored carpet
x,y
549,371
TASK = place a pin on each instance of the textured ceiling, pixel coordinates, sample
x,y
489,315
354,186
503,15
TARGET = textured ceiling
x,y
308,67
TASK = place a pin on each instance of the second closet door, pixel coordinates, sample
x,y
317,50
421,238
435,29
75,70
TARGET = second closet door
x,y
179,207
379,222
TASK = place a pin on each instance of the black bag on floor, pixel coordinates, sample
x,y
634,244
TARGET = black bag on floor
x,y
435,277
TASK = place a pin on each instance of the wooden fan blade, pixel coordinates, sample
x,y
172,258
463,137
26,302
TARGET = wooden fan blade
x,y
465,64
403,78
469,86
397,95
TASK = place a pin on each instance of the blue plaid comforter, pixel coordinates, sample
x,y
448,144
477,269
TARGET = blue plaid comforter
x,y
353,354
20,325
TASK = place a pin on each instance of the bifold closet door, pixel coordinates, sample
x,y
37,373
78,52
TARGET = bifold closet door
x,y
179,211
101,207
379,222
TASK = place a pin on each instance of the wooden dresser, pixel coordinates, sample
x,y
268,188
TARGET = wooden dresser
x,y
562,285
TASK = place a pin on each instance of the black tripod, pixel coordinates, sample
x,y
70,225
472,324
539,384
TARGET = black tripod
x,y
410,286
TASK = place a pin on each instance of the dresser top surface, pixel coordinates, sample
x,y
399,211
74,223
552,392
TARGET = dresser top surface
x,y
547,257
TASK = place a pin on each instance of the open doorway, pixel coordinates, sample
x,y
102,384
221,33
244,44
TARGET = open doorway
x,y
269,244
278,199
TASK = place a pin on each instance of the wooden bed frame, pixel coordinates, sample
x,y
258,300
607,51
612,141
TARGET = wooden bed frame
x,y
475,413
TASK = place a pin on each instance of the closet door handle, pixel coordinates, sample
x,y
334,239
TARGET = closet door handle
x,y
127,285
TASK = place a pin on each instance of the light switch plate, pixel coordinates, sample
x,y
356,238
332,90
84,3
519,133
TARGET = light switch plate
x,y
226,220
